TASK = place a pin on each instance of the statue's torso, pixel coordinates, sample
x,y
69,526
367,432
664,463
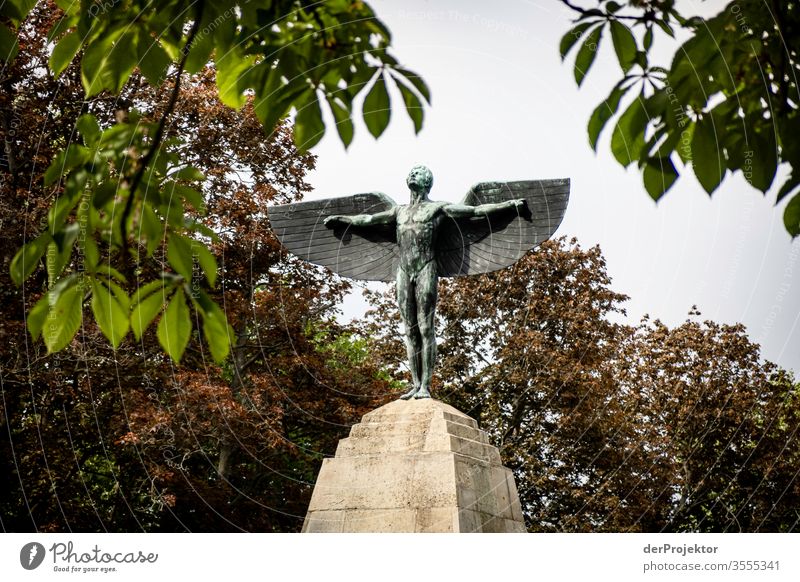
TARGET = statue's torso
x,y
416,234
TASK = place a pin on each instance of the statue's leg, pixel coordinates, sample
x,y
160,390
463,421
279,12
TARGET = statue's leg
x,y
426,294
408,313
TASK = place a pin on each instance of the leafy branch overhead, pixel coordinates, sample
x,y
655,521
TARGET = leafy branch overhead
x,y
727,103
124,192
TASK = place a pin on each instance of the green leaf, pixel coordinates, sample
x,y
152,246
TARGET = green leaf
x,y
231,66
659,175
75,155
152,228
153,59
108,62
216,330
684,146
199,227
764,157
218,334
572,36
657,106
665,26
37,316
62,208
173,212
648,39
103,194
27,258
344,124
308,125
190,195
413,105
16,10
199,53
179,255
109,271
88,127
603,113
376,109
207,261
8,44
788,186
62,25
91,254
591,12
189,173
791,216
175,327
59,251
707,160
270,107
736,151
64,52
641,59
627,139
417,82
65,315
587,54
146,289
110,313
624,44
146,310
789,129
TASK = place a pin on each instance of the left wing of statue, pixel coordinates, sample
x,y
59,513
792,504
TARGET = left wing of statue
x,y
368,254
469,246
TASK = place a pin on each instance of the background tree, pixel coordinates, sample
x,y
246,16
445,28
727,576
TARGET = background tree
x,y
608,426
103,439
720,426
728,102
124,185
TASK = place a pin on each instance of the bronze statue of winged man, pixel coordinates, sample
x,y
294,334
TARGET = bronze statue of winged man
x,y
369,237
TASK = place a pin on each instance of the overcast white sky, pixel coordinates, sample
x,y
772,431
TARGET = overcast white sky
x,y
506,108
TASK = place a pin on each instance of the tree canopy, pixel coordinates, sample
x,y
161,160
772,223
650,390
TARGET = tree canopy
x,y
103,439
124,185
726,104
609,426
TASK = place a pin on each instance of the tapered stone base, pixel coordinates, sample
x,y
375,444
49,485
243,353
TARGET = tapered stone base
x,y
415,466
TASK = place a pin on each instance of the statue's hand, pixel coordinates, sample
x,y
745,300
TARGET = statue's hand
x,y
331,221
519,203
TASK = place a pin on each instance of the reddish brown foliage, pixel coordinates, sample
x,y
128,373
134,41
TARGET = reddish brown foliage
x,y
610,427
96,439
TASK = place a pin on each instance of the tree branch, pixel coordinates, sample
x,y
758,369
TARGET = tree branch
x,y
159,135
584,11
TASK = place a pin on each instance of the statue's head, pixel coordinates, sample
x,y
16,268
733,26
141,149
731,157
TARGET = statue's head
x,y
420,180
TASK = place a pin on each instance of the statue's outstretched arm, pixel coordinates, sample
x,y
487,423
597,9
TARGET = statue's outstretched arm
x,y
468,211
385,217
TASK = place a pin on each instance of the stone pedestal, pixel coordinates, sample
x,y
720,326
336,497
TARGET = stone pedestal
x,y
415,466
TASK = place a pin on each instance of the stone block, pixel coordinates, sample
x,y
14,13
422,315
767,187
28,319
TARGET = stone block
x,y
379,520
499,487
417,465
324,522
437,520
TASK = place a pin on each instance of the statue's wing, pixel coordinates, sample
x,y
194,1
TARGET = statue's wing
x,y
359,253
470,246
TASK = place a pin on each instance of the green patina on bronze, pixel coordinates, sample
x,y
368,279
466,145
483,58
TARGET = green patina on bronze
x,y
369,237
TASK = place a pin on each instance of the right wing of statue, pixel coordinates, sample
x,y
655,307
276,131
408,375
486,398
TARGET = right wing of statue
x,y
468,246
368,254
